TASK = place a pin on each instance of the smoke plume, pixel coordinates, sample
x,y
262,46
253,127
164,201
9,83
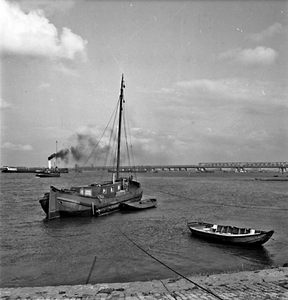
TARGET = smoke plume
x,y
82,149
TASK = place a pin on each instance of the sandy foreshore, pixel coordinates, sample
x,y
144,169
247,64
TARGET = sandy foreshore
x,y
262,284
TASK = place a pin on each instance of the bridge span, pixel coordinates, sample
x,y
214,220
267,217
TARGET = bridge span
x,y
201,167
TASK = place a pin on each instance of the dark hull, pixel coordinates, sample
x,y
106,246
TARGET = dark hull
x,y
68,203
45,175
244,239
140,205
63,170
273,179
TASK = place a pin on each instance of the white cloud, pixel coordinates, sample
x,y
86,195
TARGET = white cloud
x,y
259,55
33,34
221,89
269,32
60,67
44,86
50,7
18,147
4,104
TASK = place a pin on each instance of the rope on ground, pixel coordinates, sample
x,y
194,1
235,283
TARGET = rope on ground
x,y
167,289
153,257
218,204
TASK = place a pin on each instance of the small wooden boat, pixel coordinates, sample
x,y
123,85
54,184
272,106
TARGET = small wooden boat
x,y
139,205
229,234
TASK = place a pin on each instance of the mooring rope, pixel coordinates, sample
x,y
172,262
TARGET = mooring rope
x,y
165,265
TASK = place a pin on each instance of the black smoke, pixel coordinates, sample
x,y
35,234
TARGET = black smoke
x,y
84,148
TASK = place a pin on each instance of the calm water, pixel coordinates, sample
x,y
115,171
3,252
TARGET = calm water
x,y
36,252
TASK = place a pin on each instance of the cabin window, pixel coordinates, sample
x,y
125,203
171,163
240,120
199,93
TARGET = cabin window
x,y
88,193
118,187
104,191
82,191
112,189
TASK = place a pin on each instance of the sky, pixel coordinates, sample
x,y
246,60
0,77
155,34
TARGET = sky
x,y
206,81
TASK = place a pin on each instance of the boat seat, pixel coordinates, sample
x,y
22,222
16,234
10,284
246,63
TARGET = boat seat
x,y
235,230
214,228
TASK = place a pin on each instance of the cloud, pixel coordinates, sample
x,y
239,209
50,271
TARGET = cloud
x,y
65,69
4,104
50,7
259,55
150,147
18,147
33,34
269,32
44,86
228,88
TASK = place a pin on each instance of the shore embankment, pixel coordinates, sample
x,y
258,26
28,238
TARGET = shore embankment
x,y
263,284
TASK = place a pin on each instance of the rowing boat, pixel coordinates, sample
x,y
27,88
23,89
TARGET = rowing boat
x,y
139,205
229,234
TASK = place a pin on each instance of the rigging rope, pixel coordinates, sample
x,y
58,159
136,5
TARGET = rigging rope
x,y
129,142
159,261
112,163
97,144
126,140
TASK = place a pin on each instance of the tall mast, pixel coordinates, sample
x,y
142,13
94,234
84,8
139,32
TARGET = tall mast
x,y
120,124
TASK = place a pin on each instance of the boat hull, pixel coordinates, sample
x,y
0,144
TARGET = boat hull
x,y
68,203
45,175
245,239
18,170
140,205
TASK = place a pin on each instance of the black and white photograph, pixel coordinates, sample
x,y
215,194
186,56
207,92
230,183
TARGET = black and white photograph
x,y
144,149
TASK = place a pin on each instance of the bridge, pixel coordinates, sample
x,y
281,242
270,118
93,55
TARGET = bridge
x,y
201,167
240,166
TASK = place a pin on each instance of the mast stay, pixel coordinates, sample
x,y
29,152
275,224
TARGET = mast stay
x,y
121,99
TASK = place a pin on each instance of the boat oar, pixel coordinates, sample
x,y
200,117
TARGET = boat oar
x,y
91,269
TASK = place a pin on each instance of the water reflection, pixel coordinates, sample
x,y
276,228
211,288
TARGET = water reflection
x,y
257,254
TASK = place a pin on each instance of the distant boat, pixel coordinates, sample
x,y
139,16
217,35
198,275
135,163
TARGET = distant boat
x,y
139,205
97,198
7,169
48,173
273,178
229,234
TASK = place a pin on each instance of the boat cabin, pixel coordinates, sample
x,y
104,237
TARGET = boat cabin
x,y
104,190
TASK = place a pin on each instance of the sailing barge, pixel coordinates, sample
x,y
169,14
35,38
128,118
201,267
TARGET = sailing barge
x,y
97,198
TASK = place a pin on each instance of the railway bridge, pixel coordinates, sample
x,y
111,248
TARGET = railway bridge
x,y
201,167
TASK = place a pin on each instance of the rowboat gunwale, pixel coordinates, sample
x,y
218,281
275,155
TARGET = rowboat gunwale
x,y
253,237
